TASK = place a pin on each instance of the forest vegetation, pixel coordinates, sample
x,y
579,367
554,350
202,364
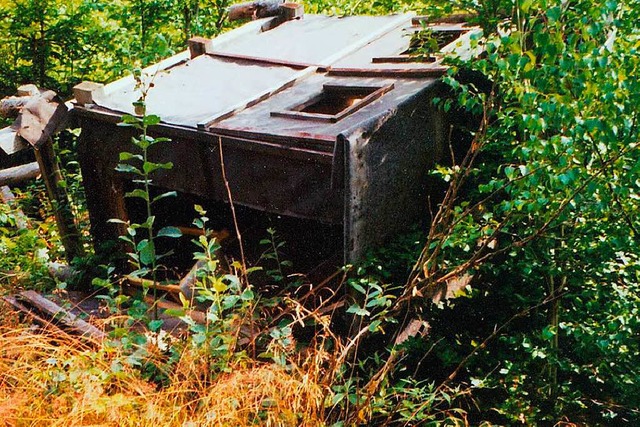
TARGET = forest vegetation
x,y
538,219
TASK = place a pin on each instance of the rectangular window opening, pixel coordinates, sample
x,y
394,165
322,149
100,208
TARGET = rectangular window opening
x,y
334,102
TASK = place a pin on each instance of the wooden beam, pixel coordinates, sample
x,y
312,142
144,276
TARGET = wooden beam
x,y
86,92
28,90
255,9
60,201
19,174
291,11
433,72
13,302
61,315
189,282
456,18
149,284
199,46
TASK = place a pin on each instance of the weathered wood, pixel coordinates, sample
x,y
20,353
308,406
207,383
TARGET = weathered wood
x,y
196,315
255,10
13,302
435,71
291,11
85,92
22,221
456,18
149,284
11,106
188,283
199,46
19,174
10,142
61,315
28,90
41,117
195,232
58,197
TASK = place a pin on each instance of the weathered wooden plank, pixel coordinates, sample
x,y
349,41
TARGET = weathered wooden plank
x,y
69,233
19,174
149,284
61,315
436,71
456,18
13,302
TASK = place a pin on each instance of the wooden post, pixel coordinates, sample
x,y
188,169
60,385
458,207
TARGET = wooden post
x,y
85,92
291,11
199,46
59,200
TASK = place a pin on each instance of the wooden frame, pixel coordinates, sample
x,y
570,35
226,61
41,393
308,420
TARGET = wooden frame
x,y
295,112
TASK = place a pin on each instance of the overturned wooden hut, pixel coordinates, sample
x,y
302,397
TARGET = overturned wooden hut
x,y
326,119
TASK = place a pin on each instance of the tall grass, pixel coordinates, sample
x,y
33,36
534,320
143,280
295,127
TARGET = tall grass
x,y
49,378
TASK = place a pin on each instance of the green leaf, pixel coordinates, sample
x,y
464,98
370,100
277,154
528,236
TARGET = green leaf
x,y
124,156
247,295
358,288
358,311
137,193
147,252
150,120
155,325
175,312
164,195
173,232
123,167
149,167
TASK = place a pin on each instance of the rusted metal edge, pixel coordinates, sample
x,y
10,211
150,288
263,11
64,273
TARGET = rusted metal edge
x,y
432,72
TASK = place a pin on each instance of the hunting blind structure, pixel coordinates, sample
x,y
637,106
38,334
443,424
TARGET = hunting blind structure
x,y
330,120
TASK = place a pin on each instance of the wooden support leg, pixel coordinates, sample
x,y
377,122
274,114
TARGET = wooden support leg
x,y
59,200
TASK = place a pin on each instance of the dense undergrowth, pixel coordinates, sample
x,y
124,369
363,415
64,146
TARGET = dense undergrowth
x,y
538,232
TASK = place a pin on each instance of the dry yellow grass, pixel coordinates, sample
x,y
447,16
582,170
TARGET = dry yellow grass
x,y
51,379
